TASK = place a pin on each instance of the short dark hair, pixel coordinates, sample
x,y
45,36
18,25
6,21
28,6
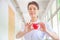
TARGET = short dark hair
x,y
34,3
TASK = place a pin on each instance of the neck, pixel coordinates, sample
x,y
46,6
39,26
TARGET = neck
x,y
33,19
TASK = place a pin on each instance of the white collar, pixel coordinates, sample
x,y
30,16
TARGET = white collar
x,y
37,21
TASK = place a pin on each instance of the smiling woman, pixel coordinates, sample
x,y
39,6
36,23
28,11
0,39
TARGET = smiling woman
x,y
30,32
28,24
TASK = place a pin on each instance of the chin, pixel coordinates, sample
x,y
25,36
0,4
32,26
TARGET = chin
x,y
32,15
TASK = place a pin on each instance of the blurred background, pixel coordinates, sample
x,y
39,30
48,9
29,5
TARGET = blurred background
x,y
13,13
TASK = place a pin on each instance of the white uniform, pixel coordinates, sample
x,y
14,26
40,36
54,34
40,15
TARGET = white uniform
x,y
37,34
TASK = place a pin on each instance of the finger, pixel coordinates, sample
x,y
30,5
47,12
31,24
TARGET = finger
x,y
41,29
26,23
30,29
42,26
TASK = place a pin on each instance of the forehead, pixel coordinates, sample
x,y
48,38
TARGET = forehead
x,y
32,5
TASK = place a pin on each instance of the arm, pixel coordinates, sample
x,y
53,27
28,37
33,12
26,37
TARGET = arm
x,y
26,30
51,34
20,34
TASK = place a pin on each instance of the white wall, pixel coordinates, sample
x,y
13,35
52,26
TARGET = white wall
x,y
3,20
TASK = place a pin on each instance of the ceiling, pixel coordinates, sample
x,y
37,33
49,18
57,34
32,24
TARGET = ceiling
x,y
22,4
42,4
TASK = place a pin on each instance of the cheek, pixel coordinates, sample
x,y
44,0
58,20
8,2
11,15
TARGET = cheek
x,y
31,13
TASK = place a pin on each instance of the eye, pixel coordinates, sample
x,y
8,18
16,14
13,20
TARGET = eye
x,y
30,8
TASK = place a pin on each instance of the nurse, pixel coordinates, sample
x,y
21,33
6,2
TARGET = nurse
x,y
36,30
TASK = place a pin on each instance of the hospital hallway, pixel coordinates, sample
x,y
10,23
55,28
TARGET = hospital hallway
x,y
14,13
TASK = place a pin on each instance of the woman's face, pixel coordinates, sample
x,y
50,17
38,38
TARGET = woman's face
x,y
32,9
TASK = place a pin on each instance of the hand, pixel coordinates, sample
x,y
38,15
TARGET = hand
x,y
51,34
42,27
28,27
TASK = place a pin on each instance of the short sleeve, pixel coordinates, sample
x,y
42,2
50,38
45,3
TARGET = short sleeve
x,y
49,27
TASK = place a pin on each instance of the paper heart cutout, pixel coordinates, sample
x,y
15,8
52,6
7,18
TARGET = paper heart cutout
x,y
35,26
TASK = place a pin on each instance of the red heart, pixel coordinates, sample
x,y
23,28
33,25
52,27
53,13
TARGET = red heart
x,y
35,26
